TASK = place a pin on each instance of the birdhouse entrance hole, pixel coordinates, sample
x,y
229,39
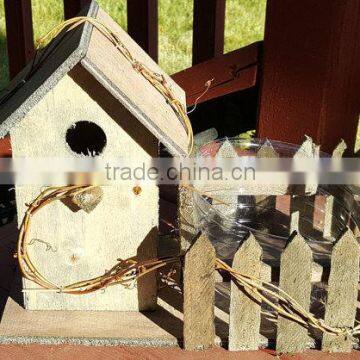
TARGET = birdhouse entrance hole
x,y
86,138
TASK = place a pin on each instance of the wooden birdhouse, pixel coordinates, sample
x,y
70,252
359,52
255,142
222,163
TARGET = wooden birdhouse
x,y
81,97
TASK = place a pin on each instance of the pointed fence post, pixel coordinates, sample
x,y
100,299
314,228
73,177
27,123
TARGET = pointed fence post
x,y
340,149
330,205
308,150
341,304
267,151
187,230
227,151
199,295
295,279
245,308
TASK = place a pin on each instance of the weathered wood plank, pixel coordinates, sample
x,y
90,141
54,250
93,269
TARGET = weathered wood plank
x,y
245,309
308,150
295,279
231,72
73,7
103,57
199,295
340,149
187,230
142,24
294,221
208,29
330,205
19,34
310,72
305,206
229,197
267,151
76,233
341,303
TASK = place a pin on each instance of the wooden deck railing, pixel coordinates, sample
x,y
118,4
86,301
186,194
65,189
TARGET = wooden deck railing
x,y
307,71
19,34
142,19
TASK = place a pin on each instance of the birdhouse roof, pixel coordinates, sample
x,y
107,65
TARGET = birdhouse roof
x,y
87,47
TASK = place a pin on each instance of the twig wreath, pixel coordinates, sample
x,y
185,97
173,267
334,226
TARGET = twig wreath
x,y
127,271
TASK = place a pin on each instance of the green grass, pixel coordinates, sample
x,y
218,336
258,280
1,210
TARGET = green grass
x,y
244,25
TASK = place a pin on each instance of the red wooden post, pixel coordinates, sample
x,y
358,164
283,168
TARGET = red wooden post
x,y
5,147
209,24
73,7
19,34
142,19
311,71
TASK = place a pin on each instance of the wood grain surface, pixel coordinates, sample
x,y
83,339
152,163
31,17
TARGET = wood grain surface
x,y
85,245
343,291
295,279
199,295
310,72
245,309
135,92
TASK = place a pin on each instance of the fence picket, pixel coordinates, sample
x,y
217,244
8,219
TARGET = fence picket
x,y
208,29
294,221
342,291
245,313
199,295
330,207
295,279
305,206
19,34
187,230
142,24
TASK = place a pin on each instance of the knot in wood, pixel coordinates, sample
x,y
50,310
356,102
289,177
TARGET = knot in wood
x,y
88,200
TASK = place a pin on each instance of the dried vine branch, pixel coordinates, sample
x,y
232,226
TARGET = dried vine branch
x,y
127,271
124,272
157,80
